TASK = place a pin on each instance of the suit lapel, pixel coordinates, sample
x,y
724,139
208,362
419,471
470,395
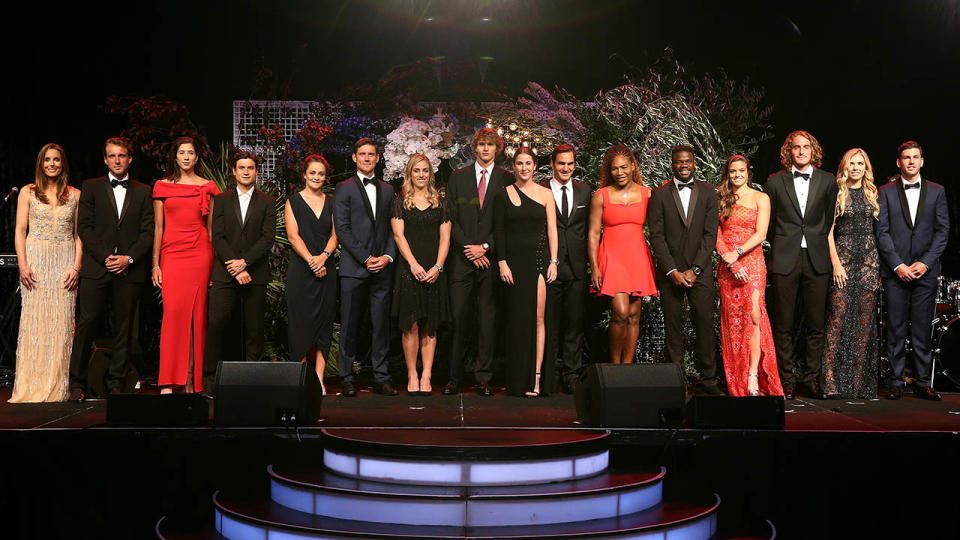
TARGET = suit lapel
x,y
126,200
921,203
692,203
112,198
235,204
679,204
364,198
904,205
792,193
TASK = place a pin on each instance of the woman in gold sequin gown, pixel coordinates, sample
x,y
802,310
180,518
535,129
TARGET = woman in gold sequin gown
x,y
48,253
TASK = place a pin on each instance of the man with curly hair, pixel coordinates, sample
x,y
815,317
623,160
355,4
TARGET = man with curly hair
x,y
802,201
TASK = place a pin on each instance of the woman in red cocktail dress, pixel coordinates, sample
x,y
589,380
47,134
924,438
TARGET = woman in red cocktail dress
x,y
749,359
182,260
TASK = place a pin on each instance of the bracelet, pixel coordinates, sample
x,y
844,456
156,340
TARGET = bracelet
x,y
739,252
438,267
155,268
555,261
327,253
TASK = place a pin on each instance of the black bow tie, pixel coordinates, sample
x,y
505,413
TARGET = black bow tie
x,y
798,174
368,181
114,183
915,185
681,185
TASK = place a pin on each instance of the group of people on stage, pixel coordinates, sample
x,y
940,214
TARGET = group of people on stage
x,y
495,245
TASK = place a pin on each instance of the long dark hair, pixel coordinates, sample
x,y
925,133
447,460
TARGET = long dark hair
x,y
726,194
40,180
172,168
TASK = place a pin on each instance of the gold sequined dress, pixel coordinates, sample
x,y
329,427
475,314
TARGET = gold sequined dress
x,y
46,318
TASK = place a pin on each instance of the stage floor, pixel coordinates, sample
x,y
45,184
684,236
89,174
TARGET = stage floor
x,y
469,410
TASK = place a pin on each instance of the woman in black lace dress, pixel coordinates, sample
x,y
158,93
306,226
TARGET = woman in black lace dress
x,y
851,356
421,228
525,239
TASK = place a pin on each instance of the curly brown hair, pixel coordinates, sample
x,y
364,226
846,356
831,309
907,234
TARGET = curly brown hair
x,y
786,158
487,135
613,152
726,192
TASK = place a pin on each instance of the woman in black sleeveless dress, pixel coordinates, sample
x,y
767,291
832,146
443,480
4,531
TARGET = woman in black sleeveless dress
x,y
312,272
421,228
525,239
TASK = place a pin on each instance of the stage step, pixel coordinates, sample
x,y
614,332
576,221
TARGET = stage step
x,y
465,457
329,494
238,519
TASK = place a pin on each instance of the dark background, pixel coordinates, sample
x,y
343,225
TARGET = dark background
x,y
857,73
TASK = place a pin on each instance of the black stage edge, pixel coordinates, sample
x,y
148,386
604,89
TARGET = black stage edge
x,y
839,469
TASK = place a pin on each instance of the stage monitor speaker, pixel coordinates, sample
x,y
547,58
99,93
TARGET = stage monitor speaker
x,y
631,395
157,410
747,412
266,394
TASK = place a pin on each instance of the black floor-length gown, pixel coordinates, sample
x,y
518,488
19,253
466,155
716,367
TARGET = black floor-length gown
x,y
851,355
520,238
427,304
311,301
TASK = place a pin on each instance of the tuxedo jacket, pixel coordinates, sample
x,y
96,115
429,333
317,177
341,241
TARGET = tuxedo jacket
x,y
105,232
362,234
471,224
680,241
788,226
249,239
572,230
901,241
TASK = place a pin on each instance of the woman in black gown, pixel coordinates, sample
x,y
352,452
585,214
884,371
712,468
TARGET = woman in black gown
x,y
312,272
525,239
421,228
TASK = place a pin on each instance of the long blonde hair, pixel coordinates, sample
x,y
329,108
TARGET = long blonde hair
x,y
869,188
433,196
41,181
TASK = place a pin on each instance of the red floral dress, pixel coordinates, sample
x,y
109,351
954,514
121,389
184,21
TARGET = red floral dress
x,y
735,307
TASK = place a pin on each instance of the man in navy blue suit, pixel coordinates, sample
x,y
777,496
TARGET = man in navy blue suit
x,y
361,217
912,233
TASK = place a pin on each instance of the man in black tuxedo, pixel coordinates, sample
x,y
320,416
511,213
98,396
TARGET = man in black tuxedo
x,y
243,229
802,202
115,224
683,219
567,294
361,216
470,192
912,231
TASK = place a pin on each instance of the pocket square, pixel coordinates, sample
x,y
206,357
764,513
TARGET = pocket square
x,y
582,206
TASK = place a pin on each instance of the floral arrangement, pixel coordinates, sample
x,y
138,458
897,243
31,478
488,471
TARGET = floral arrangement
x,y
434,138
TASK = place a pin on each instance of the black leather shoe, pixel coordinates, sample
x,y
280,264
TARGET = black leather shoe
x,y
894,393
348,390
834,397
925,392
385,389
484,389
76,395
451,389
788,394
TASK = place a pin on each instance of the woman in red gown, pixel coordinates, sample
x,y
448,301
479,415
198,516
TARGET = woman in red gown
x,y
182,259
749,359
620,263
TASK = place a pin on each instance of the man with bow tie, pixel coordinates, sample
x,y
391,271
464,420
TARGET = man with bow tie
x,y
568,293
115,224
361,216
683,219
802,202
912,231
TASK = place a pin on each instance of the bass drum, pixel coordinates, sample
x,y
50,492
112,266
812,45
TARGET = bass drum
x,y
946,355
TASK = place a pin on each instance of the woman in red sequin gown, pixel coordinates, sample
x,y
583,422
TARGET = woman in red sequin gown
x,y
620,263
182,260
749,359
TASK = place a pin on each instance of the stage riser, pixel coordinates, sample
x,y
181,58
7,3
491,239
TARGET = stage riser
x,y
504,511
466,473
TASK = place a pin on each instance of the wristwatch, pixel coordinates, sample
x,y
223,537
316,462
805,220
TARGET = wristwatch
x,y
129,260
438,267
327,253
555,261
739,252
696,270
485,246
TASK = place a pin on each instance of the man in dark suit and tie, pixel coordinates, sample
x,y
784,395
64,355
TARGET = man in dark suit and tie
x,y
244,226
912,231
115,224
567,294
802,202
470,193
683,219
361,216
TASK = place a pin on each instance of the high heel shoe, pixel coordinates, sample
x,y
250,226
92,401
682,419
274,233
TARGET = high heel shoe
x,y
536,387
753,384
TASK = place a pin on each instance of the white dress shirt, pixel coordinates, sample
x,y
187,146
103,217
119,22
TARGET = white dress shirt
x,y
371,191
244,199
684,195
557,187
478,169
802,187
913,199
119,192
